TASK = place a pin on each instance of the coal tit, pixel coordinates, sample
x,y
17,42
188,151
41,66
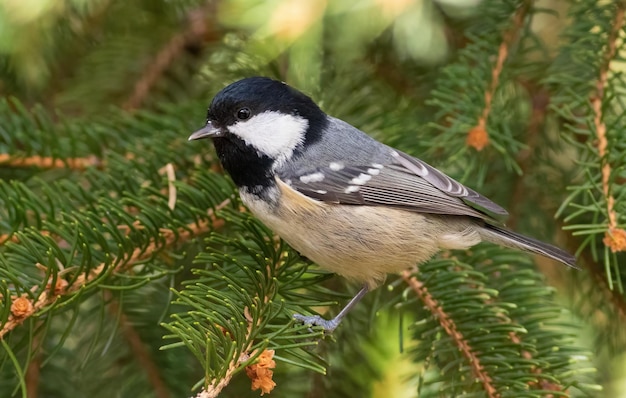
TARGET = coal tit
x,y
351,204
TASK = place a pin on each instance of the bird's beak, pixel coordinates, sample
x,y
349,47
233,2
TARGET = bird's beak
x,y
208,131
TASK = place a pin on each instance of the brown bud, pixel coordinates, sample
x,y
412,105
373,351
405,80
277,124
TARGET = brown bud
x,y
615,239
478,138
21,307
261,374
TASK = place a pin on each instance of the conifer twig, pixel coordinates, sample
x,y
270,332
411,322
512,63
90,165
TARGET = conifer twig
x,y
33,371
597,271
168,238
543,383
140,353
450,328
540,101
610,294
614,238
216,386
196,29
478,137
260,379
44,162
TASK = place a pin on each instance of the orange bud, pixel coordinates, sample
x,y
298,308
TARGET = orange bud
x,y
21,307
615,239
59,286
477,137
261,374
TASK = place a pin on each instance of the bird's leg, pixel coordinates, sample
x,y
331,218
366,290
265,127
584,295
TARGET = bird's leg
x,y
330,325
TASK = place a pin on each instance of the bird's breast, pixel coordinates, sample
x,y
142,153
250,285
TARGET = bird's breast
x,y
362,243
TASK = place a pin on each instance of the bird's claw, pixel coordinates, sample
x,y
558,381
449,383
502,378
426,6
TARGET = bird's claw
x,y
315,320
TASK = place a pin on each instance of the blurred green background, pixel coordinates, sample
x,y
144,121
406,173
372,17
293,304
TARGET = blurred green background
x,y
127,81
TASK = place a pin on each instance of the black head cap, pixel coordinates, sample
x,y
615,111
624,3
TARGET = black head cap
x,y
261,94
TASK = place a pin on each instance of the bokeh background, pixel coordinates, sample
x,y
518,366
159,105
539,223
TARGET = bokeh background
x,y
129,268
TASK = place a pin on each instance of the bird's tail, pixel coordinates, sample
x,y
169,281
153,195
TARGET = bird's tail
x,y
506,238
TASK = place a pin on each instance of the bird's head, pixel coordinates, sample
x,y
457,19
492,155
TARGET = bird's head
x,y
265,115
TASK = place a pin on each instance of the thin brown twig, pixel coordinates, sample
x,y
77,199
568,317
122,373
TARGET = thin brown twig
x,y
597,272
44,162
478,137
602,305
265,382
33,372
196,29
611,295
4,238
450,327
215,386
615,238
90,27
168,238
140,353
542,383
540,101
171,191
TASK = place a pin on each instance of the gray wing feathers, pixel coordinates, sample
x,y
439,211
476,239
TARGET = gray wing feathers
x,y
449,185
398,181
403,189
391,186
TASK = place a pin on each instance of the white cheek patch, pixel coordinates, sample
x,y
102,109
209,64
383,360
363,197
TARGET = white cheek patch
x,y
274,134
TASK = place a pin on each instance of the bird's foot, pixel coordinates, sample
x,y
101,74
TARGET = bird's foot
x,y
315,320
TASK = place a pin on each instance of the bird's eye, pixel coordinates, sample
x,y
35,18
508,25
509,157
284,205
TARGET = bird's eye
x,y
243,114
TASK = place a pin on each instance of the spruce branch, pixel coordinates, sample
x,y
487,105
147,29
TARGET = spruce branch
x,y
136,344
449,326
492,324
478,137
513,284
540,101
33,371
615,237
540,383
586,89
216,385
598,291
601,285
168,238
45,162
197,28
240,307
611,295
545,324
260,373
478,74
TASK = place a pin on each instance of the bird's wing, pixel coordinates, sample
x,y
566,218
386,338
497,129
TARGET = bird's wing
x,y
405,182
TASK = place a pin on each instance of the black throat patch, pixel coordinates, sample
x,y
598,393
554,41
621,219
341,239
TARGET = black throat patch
x,y
247,167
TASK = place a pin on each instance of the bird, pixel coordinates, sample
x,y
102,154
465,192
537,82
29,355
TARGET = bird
x,y
351,204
